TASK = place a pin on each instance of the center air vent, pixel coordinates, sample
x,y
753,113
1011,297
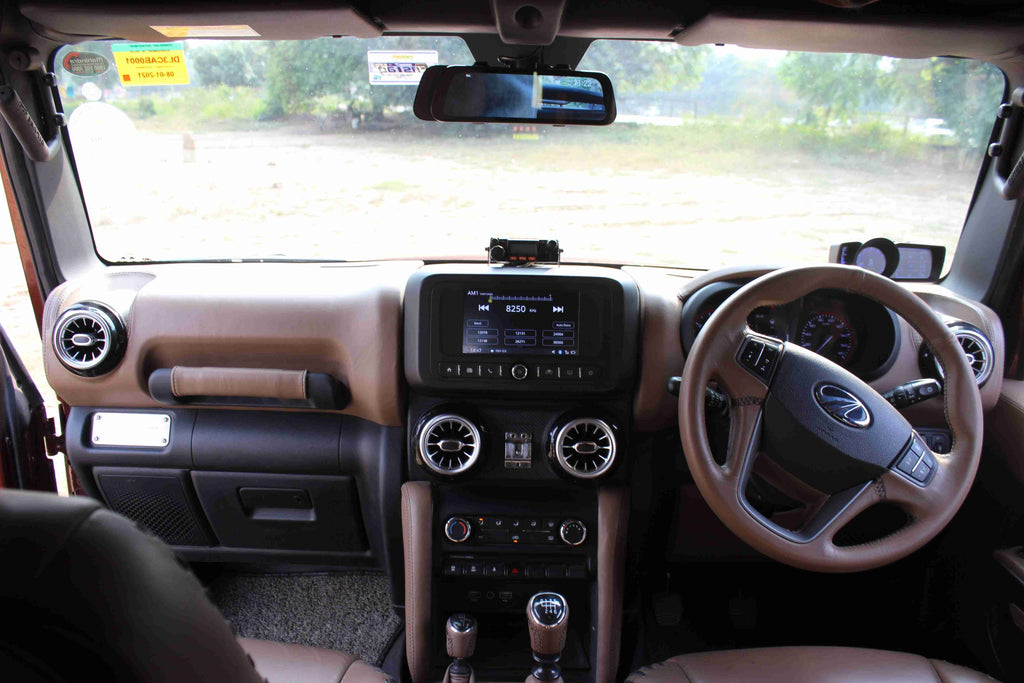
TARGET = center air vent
x,y
89,339
449,444
584,448
977,351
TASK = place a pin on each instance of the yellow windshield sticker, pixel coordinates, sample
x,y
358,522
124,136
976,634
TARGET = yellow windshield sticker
x,y
228,31
150,64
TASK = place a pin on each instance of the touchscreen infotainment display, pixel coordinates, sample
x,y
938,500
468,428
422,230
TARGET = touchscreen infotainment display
x,y
533,323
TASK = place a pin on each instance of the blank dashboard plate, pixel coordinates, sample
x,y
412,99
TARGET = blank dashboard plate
x,y
134,430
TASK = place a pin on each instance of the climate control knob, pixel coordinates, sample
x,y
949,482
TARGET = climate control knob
x,y
573,532
457,529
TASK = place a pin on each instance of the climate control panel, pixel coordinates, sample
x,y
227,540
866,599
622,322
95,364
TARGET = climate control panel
x,y
510,531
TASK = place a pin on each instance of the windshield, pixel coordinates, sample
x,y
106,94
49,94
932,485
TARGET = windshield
x,y
310,150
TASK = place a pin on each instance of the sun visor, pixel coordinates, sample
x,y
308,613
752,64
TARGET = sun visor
x,y
163,21
914,38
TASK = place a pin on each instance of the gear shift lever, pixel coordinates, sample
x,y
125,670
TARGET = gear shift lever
x,y
460,638
548,617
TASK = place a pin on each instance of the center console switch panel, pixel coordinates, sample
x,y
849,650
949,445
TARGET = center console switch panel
x,y
555,330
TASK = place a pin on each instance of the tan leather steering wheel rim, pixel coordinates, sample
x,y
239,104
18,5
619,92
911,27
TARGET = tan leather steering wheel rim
x,y
713,357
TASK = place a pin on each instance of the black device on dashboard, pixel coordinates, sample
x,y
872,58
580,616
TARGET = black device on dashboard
x,y
904,262
523,252
515,330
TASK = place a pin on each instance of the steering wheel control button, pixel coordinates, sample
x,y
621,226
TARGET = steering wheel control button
x,y
520,371
917,463
457,530
573,532
760,357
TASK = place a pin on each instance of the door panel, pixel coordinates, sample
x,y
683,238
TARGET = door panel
x,y
23,426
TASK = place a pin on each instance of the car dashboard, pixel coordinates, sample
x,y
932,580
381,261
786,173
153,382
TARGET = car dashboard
x,y
471,430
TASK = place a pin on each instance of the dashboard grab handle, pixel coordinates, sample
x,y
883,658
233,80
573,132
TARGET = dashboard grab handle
x,y
182,385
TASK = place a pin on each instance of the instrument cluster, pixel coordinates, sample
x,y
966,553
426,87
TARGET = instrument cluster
x,y
850,330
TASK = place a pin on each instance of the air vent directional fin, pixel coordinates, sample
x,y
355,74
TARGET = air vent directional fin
x,y
585,448
978,355
449,444
977,351
89,339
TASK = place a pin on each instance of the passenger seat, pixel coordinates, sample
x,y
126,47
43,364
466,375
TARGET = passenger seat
x,y
85,593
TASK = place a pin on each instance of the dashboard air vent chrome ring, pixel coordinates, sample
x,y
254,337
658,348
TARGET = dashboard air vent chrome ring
x,y
585,448
977,350
89,339
449,444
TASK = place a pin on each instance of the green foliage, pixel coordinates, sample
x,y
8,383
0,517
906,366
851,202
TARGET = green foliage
x,y
836,88
833,87
808,101
965,94
647,67
299,73
230,63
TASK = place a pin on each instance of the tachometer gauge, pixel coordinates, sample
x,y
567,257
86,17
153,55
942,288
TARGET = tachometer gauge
x,y
828,335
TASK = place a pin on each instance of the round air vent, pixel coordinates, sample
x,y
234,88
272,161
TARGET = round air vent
x,y
449,444
89,339
584,448
977,350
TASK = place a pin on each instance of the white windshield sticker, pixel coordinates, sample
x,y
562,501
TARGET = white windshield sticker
x,y
399,68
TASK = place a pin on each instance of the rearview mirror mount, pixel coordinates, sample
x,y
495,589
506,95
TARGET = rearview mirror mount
x,y
543,95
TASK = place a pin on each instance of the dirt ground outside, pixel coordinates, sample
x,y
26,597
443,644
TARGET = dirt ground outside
x,y
390,194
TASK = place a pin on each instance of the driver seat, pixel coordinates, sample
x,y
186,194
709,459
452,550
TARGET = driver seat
x,y
85,591
804,664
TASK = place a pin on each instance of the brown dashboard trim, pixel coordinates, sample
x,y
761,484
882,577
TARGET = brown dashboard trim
x,y
339,320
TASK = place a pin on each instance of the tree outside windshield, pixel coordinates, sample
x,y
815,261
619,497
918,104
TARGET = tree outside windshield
x,y
719,155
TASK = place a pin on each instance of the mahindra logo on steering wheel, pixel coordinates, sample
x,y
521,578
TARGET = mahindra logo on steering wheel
x,y
843,406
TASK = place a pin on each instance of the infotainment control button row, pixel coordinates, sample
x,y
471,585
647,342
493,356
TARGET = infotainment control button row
x,y
518,371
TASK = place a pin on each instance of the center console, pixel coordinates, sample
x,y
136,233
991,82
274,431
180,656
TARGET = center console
x,y
521,383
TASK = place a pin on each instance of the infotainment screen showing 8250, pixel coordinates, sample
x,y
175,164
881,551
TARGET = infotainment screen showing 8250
x,y
534,323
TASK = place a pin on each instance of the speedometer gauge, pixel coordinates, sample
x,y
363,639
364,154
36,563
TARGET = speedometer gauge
x,y
828,335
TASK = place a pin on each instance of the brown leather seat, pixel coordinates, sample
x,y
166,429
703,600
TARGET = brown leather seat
x,y
280,663
799,664
85,591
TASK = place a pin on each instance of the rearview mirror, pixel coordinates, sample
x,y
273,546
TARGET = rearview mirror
x,y
480,94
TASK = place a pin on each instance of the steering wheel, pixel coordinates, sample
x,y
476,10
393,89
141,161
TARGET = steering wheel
x,y
825,427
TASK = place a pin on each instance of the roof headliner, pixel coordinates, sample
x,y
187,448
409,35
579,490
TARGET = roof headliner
x,y
992,30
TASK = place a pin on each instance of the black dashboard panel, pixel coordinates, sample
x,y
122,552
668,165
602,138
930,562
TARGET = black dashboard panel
x,y
516,330
853,331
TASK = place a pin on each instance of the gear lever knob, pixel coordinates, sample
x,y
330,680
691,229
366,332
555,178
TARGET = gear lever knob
x,y
547,615
460,636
